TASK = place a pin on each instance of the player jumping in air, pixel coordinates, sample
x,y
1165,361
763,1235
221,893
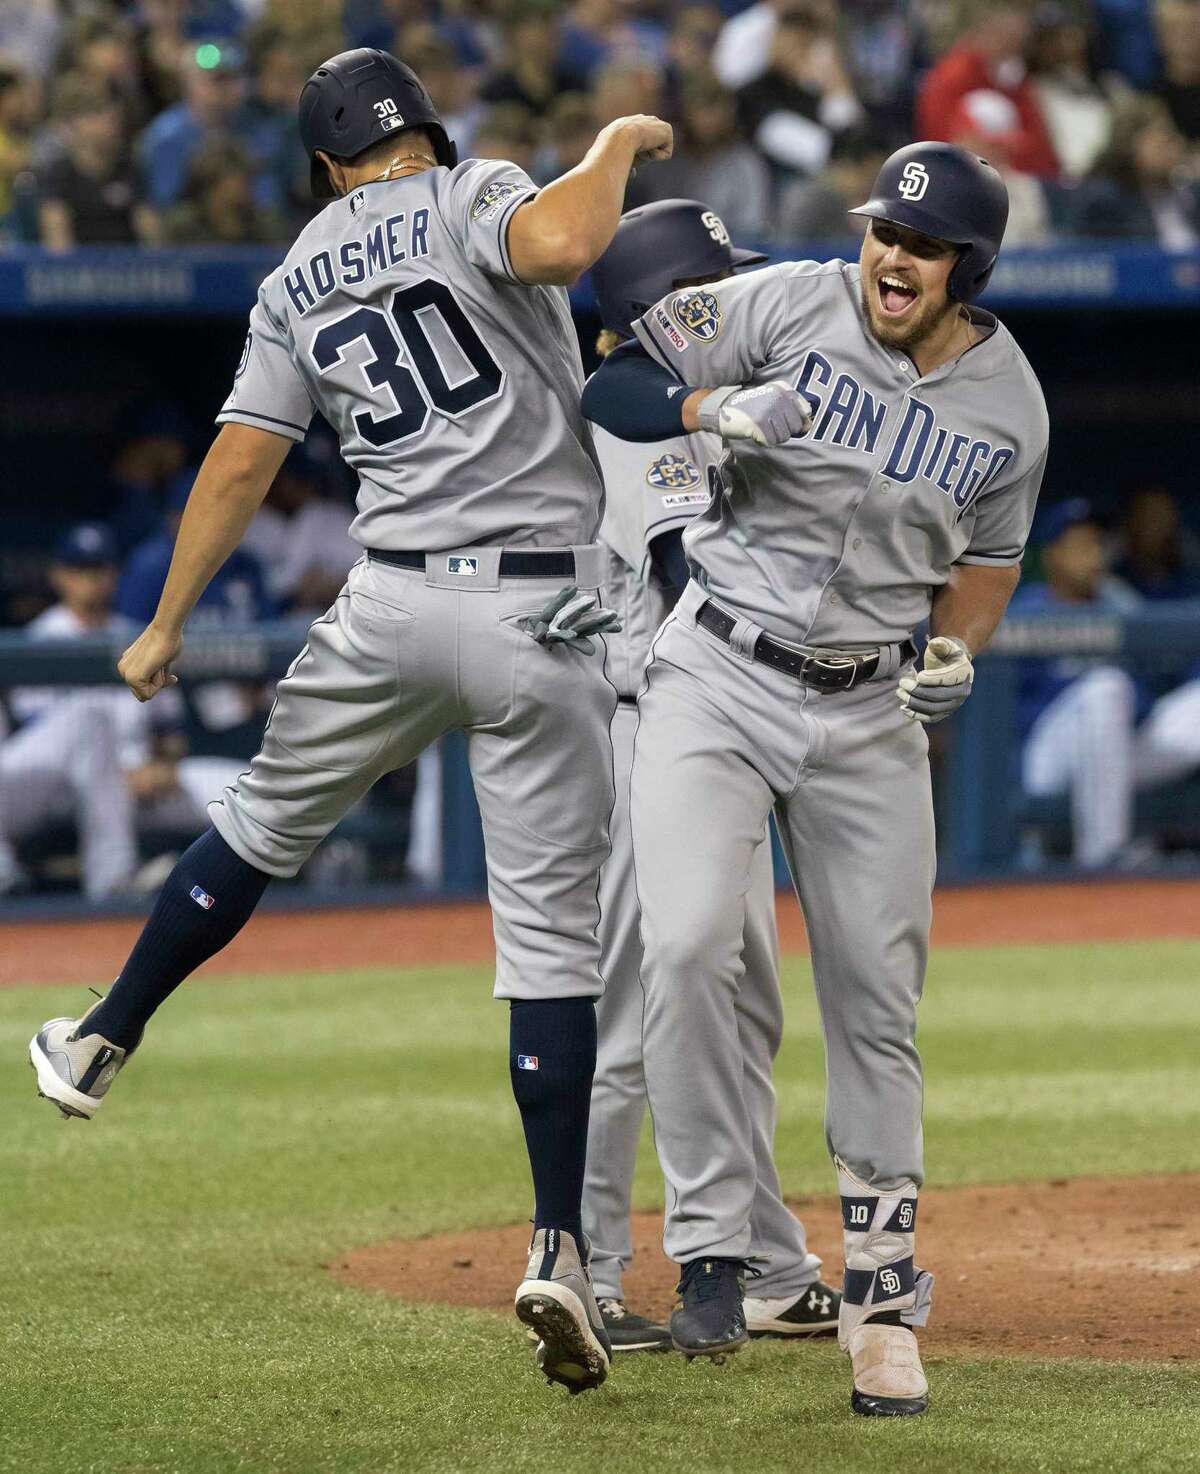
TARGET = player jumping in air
x,y
423,313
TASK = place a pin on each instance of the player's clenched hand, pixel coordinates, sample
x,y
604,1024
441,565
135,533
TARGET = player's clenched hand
x,y
649,136
941,688
146,665
767,414
569,618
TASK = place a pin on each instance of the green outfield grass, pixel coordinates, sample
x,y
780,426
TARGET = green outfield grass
x,y
165,1308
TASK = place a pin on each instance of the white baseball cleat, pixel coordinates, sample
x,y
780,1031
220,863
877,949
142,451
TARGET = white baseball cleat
x,y
74,1070
555,1300
889,1381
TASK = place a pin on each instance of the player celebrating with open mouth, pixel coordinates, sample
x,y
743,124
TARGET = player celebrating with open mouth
x,y
886,445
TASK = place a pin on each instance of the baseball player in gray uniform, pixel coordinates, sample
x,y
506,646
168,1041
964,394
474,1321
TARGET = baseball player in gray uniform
x,y
652,492
888,440
422,312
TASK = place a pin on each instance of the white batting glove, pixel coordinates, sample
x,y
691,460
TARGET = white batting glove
x,y
940,689
767,414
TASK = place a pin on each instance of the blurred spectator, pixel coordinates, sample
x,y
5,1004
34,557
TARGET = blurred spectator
x,y
451,85
218,201
1156,555
622,88
386,24
153,448
794,109
570,132
103,49
507,131
160,39
1076,104
984,75
237,594
88,194
213,85
1135,189
532,72
301,537
712,162
588,33
29,35
816,209
695,30
18,111
267,128
1078,715
984,123
1126,39
62,760
882,46
1178,24
743,50
69,738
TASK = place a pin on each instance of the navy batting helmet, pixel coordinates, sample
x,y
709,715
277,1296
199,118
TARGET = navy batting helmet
x,y
951,194
356,99
657,246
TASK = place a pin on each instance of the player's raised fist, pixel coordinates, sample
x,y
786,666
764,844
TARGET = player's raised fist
x,y
767,414
650,137
146,665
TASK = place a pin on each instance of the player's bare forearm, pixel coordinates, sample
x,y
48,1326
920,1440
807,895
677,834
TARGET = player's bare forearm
x,y
230,487
691,409
971,604
554,238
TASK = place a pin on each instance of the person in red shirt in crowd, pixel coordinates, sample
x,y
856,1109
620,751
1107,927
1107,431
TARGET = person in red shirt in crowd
x,y
987,65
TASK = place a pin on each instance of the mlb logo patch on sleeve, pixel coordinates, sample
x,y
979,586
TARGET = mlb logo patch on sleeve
x,y
202,898
527,1061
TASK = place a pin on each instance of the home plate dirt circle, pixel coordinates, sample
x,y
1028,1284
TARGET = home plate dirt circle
x,y
1092,1267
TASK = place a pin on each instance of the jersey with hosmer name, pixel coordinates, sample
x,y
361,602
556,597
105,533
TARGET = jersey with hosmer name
x,y
453,388
840,538
649,490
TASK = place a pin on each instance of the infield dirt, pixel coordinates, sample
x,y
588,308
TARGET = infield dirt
x,y
1091,1267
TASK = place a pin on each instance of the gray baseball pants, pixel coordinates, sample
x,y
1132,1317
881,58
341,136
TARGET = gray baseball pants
x,y
723,740
619,1088
403,657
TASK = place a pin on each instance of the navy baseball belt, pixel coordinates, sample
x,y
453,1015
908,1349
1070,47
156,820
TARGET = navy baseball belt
x,y
513,563
827,670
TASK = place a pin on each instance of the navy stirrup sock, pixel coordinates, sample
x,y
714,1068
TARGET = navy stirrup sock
x,y
552,1058
204,903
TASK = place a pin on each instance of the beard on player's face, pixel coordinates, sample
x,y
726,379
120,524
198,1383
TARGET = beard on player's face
x,y
903,284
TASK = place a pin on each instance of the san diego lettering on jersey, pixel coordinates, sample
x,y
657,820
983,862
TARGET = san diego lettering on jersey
x,y
387,244
845,413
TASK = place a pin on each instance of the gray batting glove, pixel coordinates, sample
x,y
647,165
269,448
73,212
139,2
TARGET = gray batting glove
x,y
767,414
940,689
569,618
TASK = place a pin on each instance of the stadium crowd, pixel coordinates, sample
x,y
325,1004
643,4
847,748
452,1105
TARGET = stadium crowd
x,y
164,121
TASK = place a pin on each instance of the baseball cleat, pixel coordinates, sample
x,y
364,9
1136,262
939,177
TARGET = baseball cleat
x,y
709,1320
889,1381
555,1300
628,1331
74,1070
814,1312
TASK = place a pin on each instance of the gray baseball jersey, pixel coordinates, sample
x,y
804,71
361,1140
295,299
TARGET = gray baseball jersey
x,y
840,538
649,490
453,388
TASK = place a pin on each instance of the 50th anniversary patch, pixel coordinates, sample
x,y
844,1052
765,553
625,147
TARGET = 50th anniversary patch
x,y
672,472
488,201
698,313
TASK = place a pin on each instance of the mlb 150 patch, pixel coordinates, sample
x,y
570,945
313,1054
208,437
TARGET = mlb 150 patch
x,y
488,201
698,313
671,332
685,499
672,472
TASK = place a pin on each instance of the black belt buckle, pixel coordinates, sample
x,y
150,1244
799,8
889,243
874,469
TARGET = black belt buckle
x,y
837,672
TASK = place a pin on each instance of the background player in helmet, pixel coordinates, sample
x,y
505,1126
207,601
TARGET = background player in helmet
x,y
888,444
652,492
419,314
